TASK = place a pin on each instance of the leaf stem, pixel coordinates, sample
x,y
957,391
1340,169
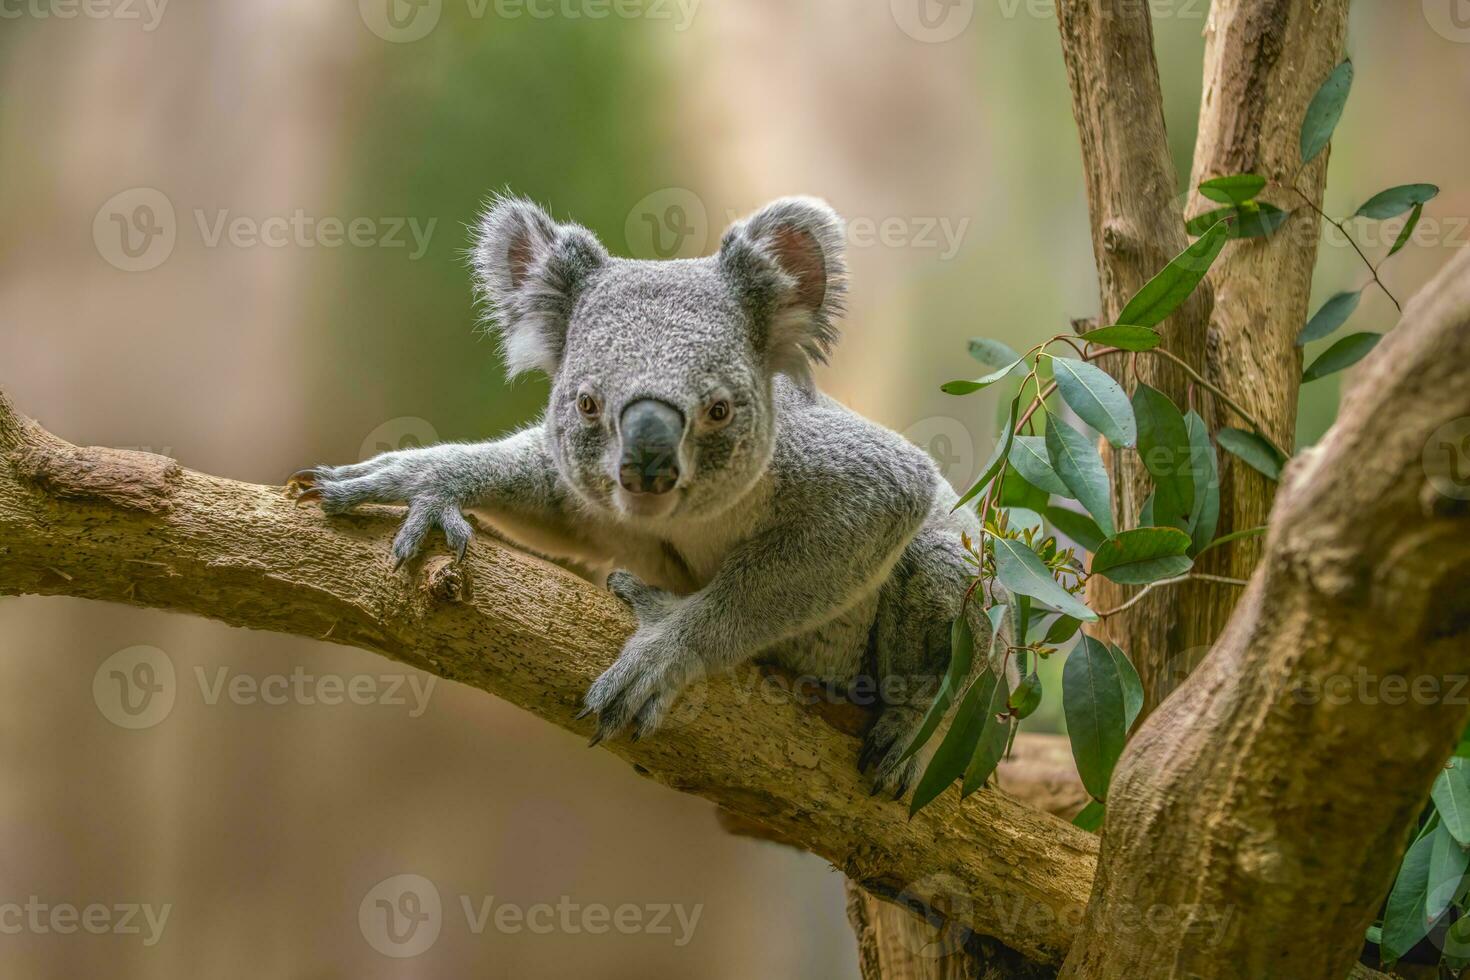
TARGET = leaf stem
x,y
1372,269
1233,405
1192,576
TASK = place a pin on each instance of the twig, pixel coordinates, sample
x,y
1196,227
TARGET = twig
x,y
1192,576
1373,269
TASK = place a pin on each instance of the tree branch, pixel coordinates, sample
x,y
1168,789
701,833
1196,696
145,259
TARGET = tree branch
x,y
137,528
1276,788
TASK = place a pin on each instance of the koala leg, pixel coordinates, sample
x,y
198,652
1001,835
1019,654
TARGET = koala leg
x,y
910,651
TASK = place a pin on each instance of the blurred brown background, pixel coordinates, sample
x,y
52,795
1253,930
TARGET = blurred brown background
x,y
233,233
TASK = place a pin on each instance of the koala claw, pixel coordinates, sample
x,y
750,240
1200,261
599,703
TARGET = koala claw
x,y
638,689
883,749
648,603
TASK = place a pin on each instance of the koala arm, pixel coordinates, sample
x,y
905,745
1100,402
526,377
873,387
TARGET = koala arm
x,y
515,474
831,540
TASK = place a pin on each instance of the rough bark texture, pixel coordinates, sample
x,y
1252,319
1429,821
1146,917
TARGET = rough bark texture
x,y
137,528
1274,791
1263,63
1108,46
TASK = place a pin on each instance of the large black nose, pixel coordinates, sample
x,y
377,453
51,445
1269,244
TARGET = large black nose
x,y
651,432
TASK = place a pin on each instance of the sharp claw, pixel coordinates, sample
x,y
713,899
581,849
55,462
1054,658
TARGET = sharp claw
x,y
459,555
303,478
582,714
635,736
398,562
596,737
310,493
877,788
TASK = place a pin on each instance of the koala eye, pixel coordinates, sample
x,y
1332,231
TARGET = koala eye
x,y
719,412
588,406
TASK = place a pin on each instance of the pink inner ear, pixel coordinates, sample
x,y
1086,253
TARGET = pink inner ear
x,y
519,257
800,257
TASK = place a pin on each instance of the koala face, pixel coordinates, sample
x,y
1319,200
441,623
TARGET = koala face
x,y
661,405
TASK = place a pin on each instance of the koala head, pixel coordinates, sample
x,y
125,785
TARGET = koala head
x,y
662,372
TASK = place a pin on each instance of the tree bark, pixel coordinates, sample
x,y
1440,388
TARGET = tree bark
x,y
137,528
1259,815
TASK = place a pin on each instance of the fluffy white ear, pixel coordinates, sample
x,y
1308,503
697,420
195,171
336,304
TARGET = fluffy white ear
x,y
786,263
530,270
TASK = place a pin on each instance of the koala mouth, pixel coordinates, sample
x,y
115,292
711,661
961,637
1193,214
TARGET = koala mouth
x,y
645,505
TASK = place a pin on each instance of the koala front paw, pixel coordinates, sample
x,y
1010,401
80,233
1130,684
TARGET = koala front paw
x,y
883,749
340,488
649,604
640,687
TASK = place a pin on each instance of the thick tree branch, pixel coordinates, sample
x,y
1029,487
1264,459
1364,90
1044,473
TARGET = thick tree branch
x,y
1276,788
136,528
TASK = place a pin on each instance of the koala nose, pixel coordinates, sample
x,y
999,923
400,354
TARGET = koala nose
x,y
651,432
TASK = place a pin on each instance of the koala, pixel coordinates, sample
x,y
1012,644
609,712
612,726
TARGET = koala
x,y
685,447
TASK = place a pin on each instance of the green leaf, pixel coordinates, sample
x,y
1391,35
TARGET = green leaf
x,y
1165,292
1132,685
1452,798
1092,700
1329,317
1020,570
1256,220
992,353
961,656
1463,749
1249,532
1252,450
1325,110
1143,555
1090,818
1017,491
1027,696
993,738
1396,200
1343,354
1146,512
1079,527
1404,920
1075,459
980,383
1205,472
1124,336
954,753
1062,629
1028,456
1407,231
1448,861
997,457
1164,447
1097,399
1235,189
1020,518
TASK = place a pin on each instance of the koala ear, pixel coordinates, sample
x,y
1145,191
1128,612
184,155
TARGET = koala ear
x,y
786,264
530,271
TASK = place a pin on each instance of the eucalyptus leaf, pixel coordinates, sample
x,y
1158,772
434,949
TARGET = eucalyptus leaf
x,y
1029,457
1017,491
1092,700
1341,355
1407,232
997,457
1404,920
1143,555
1255,220
1097,399
1167,291
1075,459
1252,450
1452,798
1021,518
1020,570
980,383
993,739
992,353
1448,861
1090,818
1132,685
1079,527
1062,629
961,656
1235,189
1204,470
1026,697
1325,111
1396,200
1124,336
954,752
1331,315
1164,447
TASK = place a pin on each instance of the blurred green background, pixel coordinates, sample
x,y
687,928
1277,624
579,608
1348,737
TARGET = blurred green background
x,y
950,147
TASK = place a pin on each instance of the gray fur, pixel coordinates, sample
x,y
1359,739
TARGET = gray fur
x,y
798,531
